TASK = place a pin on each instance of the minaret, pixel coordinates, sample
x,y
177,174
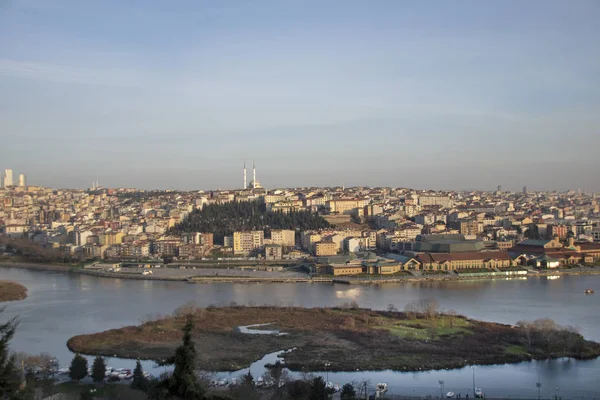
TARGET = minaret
x,y
245,185
253,175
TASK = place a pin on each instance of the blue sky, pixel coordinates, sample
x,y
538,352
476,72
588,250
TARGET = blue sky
x,y
424,94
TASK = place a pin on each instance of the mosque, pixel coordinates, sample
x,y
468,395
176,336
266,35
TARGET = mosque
x,y
254,185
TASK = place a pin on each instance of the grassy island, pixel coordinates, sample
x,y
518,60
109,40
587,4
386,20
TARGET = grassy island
x,y
10,291
347,338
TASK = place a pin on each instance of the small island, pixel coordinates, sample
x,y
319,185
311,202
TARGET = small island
x,y
11,291
347,338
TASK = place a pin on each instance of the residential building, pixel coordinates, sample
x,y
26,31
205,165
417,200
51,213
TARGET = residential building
x,y
443,201
346,206
323,249
470,227
273,252
246,242
283,237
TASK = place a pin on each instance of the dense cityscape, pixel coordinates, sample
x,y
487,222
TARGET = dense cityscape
x,y
411,231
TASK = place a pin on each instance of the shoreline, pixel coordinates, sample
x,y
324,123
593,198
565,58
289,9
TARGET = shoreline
x,y
348,280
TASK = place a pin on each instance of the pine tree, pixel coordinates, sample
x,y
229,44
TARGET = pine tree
x,y
10,379
139,380
79,368
318,389
348,392
184,382
98,369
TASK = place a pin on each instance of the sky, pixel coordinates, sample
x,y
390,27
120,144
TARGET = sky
x,y
408,93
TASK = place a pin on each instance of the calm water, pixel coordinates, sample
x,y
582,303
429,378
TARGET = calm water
x,y
60,306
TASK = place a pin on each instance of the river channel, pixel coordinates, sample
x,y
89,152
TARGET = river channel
x,y
61,305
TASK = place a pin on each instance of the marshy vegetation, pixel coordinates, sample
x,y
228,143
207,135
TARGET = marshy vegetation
x,y
346,337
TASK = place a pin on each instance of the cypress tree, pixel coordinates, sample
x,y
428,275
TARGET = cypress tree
x,y
10,379
184,382
98,369
139,380
79,368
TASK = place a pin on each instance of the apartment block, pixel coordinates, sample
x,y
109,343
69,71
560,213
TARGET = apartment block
x,y
247,241
273,252
323,249
283,237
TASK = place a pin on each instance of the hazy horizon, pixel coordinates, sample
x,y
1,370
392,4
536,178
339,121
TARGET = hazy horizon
x,y
431,94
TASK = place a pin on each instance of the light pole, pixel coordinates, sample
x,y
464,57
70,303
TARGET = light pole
x,y
473,381
326,379
557,393
441,389
539,386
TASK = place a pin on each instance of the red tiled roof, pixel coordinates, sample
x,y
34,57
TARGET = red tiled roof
x,y
466,256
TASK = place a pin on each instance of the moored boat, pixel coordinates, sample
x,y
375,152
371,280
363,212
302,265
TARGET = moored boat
x,y
589,291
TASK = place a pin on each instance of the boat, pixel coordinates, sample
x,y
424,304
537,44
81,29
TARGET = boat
x,y
589,291
450,395
380,389
260,381
64,370
478,393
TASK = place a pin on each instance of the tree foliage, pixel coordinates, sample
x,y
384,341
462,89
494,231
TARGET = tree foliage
x,y
79,368
318,389
139,381
184,382
98,369
223,219
348,392
9,373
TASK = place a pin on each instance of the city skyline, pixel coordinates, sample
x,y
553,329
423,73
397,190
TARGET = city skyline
x,y
422,95
23,181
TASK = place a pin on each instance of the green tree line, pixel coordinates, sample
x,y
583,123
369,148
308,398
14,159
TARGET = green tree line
x,y
223,219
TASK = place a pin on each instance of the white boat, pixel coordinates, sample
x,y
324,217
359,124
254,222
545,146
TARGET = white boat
x,y
260,381
222,382
64,370
450,395
478,393
380,389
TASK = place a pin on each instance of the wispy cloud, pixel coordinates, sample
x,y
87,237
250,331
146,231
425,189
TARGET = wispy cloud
x,y
117,77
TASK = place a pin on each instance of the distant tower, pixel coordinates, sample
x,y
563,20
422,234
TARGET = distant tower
x,y
499,188
22,180
245,183
8,178
253,175
524,189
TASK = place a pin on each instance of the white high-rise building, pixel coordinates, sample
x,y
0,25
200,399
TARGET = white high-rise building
x,y
22,180
8,178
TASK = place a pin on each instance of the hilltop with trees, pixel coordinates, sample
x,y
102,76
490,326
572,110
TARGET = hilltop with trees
x,y
223,219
